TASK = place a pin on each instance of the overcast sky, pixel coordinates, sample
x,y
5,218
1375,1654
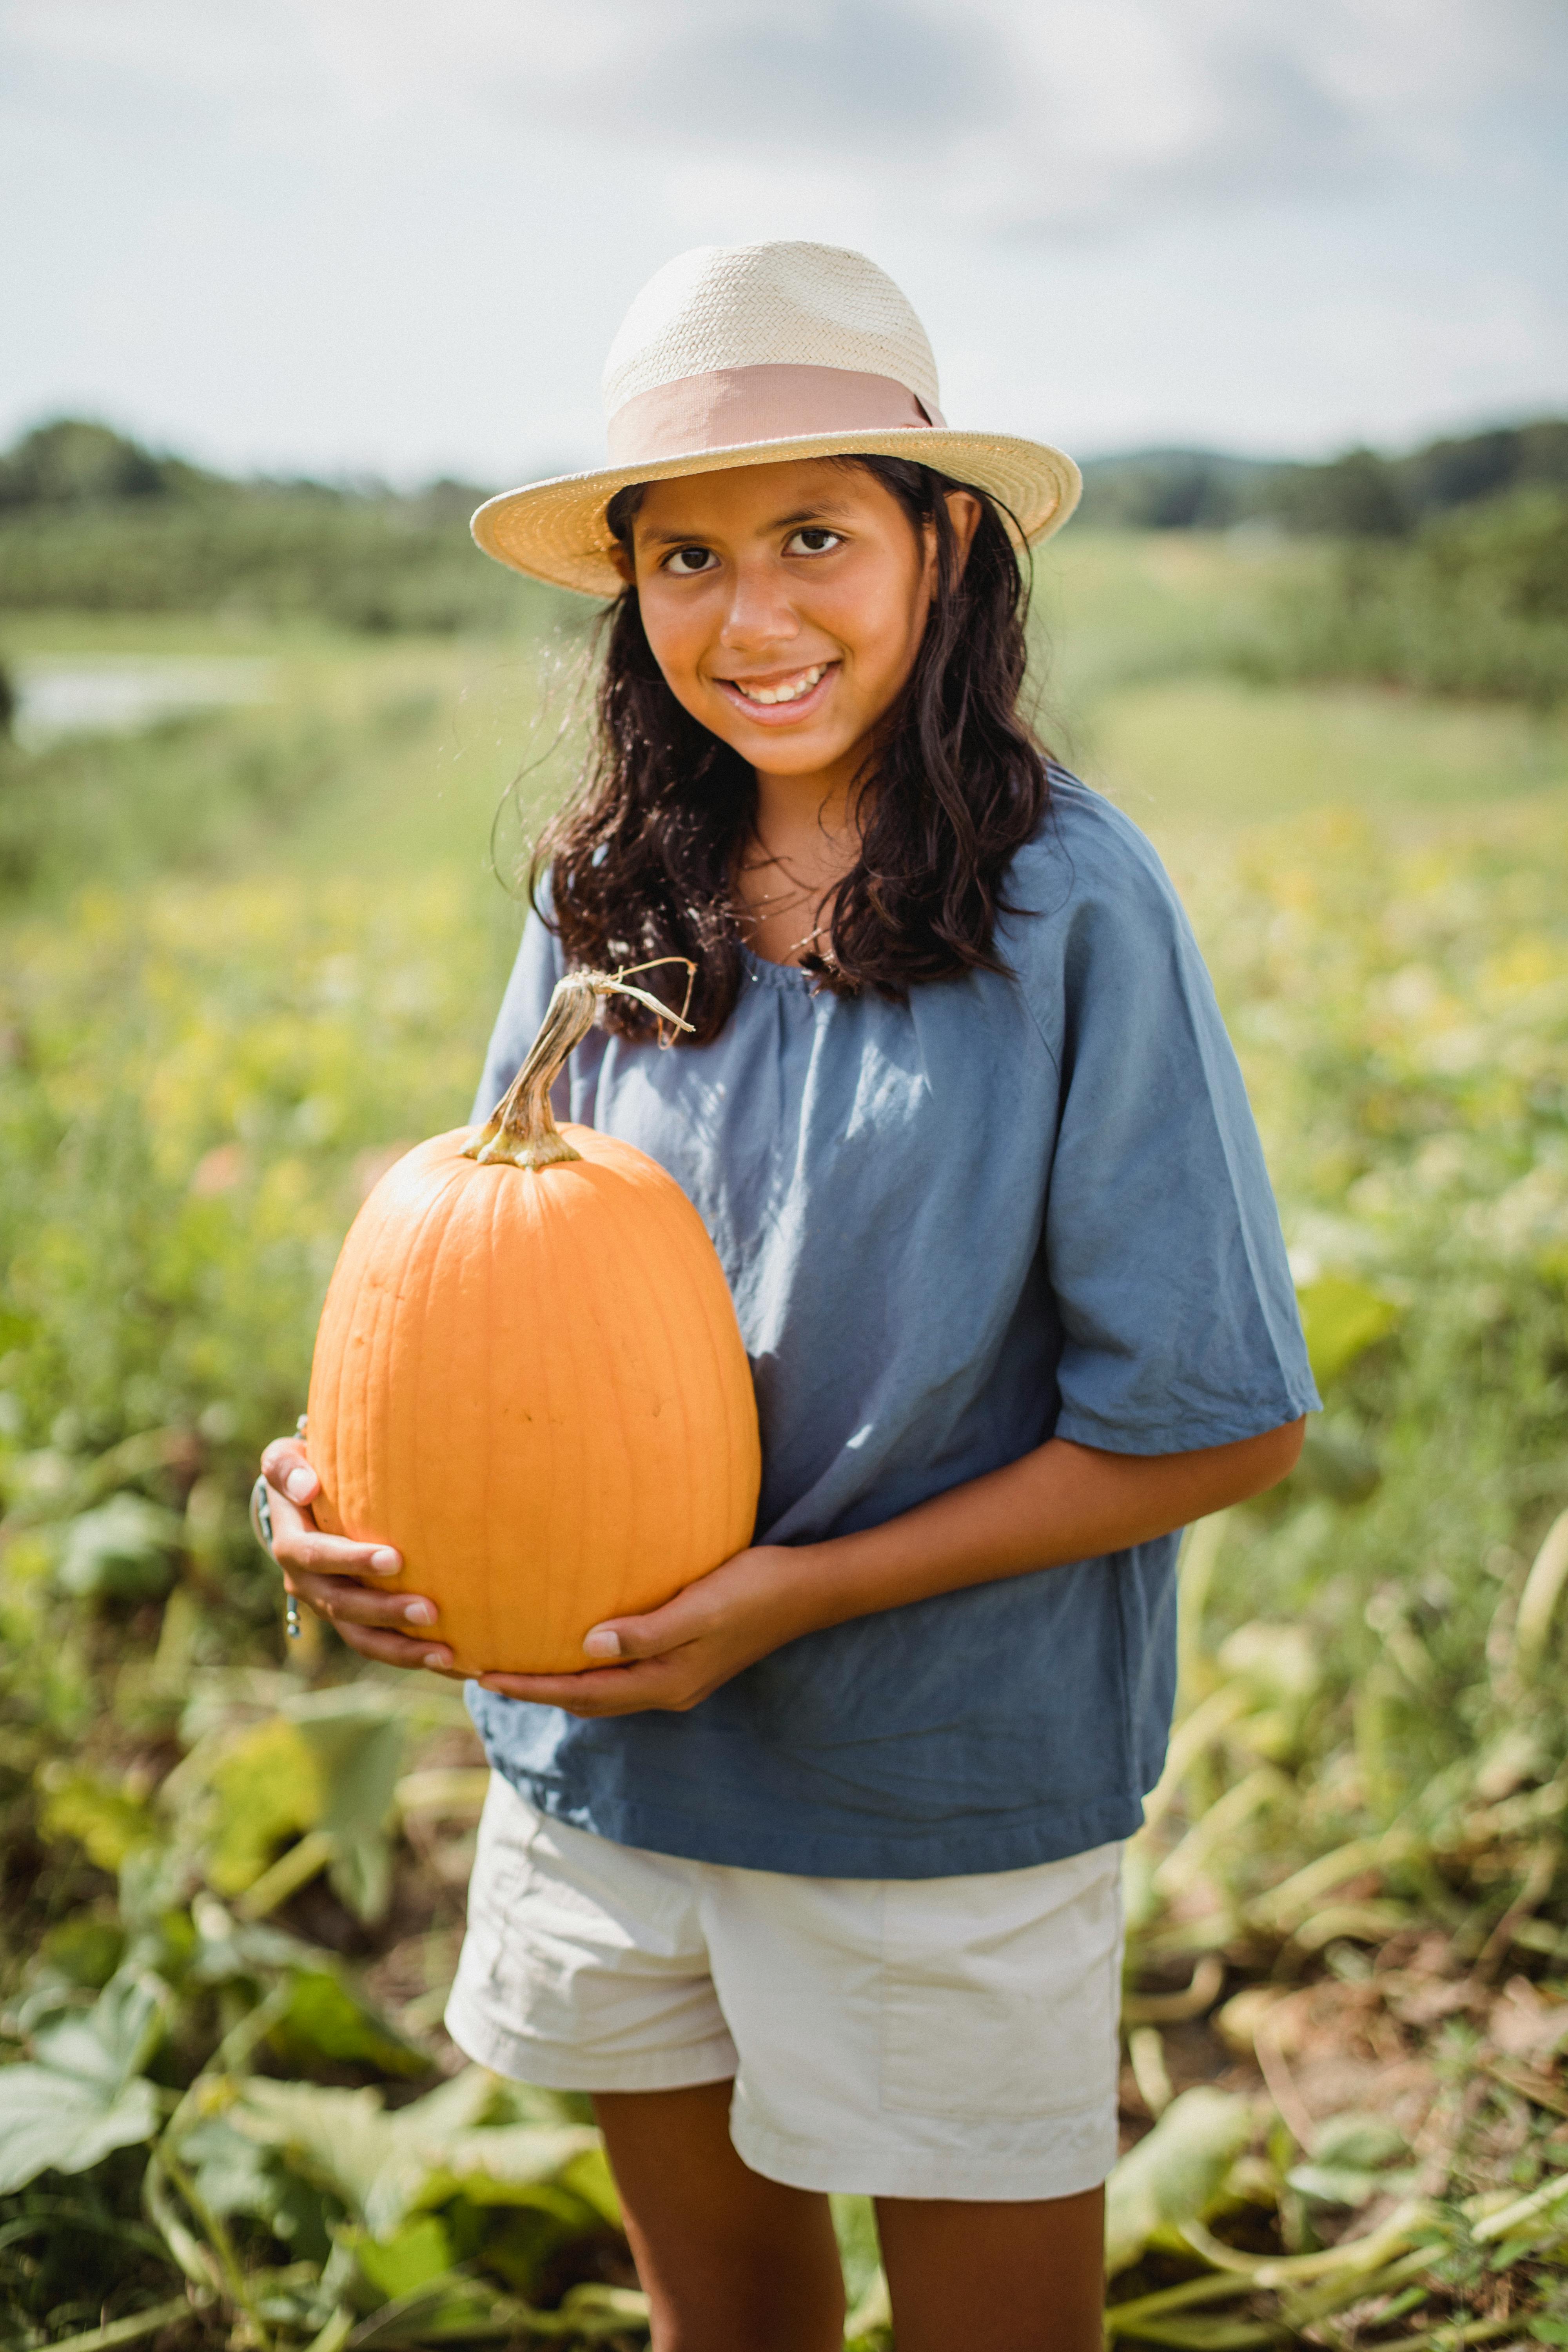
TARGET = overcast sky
x,y
398,235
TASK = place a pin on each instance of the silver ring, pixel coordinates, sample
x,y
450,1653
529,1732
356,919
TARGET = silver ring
x,y
261,1517
261,1529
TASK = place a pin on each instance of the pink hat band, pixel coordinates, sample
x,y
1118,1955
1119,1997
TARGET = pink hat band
x,y
731,406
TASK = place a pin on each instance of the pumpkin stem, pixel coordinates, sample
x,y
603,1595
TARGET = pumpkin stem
x,y
521,1130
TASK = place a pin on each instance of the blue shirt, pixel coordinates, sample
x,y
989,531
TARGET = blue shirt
x,y
1017,1205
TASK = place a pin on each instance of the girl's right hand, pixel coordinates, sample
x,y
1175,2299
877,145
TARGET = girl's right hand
x,y
337,1578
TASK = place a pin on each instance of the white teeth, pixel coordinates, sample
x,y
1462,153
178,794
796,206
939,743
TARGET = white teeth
x,y
792,693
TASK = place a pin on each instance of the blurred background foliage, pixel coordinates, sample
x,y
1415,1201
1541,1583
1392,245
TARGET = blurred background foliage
x,y
251,936
1449,571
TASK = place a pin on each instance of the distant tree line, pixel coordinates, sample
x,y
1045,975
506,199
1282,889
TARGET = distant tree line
x,y
73,464
95,522
1445,570
1360,494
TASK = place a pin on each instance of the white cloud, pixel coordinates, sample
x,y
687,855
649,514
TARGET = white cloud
x,y
401,232
1025,113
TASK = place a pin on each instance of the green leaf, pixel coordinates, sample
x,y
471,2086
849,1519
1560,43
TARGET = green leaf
x,y
1176,2174
357,1738
122,1551
101,1816
82,1950
1337,1461
518,2239
1336,2184
551,2199
1341,1318
325,2019
113,2040
232,2175
51,2122
385,2167
415,2255
449,2310
1361,2140
860,2250
268,1787
588,2176
81,2095
510,2162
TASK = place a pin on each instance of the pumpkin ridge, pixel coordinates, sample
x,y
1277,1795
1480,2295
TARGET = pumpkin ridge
x,y
322,1443
679,1351
510,1208
411,1334
653,1310
464,1396
544,1310
342,1432
362,1427
492,1646
352,1433
614,1298
379,1424
678,1216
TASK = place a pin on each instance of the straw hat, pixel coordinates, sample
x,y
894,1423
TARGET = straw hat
x,y
751,356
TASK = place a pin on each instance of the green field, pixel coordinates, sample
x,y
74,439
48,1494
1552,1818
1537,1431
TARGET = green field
x,y
246,955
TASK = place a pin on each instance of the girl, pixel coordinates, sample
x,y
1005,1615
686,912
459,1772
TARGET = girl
x,y
811,1877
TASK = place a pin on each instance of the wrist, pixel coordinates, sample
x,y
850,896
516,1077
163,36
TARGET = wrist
x,y
801,1588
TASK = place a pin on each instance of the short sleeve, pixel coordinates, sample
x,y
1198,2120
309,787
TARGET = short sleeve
x,y
534,974
1162,1241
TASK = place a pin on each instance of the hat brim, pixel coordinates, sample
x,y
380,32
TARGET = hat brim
x,y
555,531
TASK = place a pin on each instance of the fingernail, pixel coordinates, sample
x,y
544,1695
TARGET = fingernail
x,y
603,1642
420,1612
436,1658
299,1483
384,1561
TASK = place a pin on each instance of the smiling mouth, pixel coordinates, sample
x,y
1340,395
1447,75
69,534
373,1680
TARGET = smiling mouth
x,y
790,688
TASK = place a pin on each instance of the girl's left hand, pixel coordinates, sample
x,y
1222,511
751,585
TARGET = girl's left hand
x,y
674,1656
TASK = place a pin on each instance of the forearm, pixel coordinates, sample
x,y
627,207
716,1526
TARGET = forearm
x,y
1063,1502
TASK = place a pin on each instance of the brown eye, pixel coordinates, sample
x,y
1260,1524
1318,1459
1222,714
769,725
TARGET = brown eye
x,y
687,562
814,539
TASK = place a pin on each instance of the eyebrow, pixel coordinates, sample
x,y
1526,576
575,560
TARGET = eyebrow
x,y
803,515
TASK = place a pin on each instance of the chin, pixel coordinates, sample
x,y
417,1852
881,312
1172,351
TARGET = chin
x,y
809,746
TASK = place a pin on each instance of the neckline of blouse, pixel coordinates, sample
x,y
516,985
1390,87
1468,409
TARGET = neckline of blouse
x,y
774,975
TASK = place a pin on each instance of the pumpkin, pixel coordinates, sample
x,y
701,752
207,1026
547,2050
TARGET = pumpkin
x,y
529,1379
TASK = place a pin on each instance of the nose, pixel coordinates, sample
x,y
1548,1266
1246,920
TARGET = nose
x,y
760,614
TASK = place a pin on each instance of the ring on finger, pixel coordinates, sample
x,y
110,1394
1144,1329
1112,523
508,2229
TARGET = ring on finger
x,y
261,1517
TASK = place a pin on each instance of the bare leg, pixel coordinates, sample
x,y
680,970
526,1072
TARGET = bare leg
x,y
730,2262
1017,2278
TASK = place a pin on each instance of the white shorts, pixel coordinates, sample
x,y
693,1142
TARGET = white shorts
x,y
926,2037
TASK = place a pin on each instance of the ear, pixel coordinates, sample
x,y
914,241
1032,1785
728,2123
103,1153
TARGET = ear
x,y
963,514
623,563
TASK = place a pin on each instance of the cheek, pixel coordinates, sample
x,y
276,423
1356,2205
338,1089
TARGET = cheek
x,y
677,635
877,610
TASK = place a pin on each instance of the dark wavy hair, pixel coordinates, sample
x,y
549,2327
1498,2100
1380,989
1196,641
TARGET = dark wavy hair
x,y
642,861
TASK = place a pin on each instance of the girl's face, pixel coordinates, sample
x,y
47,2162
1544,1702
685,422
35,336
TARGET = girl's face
x,y
785,605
